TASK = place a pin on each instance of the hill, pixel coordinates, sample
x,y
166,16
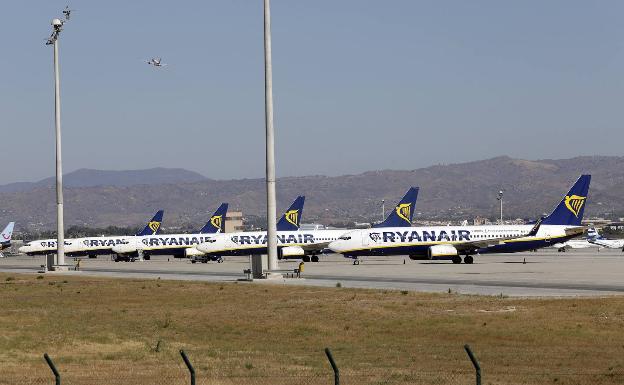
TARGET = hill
x,y
85,177
453,191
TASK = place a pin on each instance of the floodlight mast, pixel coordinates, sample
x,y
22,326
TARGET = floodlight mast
x,y
270,144
57,26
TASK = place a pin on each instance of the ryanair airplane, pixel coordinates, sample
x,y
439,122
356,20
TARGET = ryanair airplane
x,y
451,242
90,246
5,237
293,243
178,245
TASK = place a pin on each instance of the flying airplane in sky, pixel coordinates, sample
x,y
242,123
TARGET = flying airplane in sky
x,y
90,246
295,243
156,62
451,242
177,245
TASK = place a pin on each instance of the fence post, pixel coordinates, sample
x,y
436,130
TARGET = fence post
x,y
330,357
474,362
57,375
189,366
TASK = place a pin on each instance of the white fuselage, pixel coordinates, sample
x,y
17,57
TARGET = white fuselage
x,y
418,240
77,246
254,242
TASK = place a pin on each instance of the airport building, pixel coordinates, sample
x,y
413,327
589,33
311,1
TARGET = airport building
x,y
234,222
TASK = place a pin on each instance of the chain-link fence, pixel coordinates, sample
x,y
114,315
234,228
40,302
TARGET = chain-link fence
x,y
184,373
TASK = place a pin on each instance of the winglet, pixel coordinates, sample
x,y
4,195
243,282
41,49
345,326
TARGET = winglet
x,y
535,228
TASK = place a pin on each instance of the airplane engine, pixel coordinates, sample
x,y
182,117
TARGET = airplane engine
x,y
438,251
292,251
124,249
192,252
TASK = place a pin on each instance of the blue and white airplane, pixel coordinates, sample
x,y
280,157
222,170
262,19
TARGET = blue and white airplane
x,y
5,237
90,246
451,242
294,243
178,245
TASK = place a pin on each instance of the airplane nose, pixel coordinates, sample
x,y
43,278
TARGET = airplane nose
x,y
23,249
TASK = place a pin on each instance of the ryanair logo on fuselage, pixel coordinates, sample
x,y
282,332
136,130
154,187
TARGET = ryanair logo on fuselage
x,y
292,216
574,203
154,226
403,211
216,221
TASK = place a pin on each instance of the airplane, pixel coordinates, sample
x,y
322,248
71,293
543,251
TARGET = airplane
x,y
178,245
595,238
90,246
580,243
156,62
67,12
451,242
5,237
294,243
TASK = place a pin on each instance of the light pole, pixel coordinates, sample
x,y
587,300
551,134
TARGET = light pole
x,y
57,27
383,209
270,143
500,198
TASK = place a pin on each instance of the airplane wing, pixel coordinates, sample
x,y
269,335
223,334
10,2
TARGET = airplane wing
x,y
315,247
472,246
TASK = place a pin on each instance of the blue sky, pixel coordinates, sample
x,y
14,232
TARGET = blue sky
x,y
358,85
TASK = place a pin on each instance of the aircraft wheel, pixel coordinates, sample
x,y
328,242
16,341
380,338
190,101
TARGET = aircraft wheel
x,y
314,258
220,260
193,261
305,258
456,259
468,259
356,261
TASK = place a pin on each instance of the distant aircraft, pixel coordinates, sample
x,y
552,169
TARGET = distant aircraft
x,y
5,237
451,242
178,245
156,62
593,239
67,12
90,246
295,243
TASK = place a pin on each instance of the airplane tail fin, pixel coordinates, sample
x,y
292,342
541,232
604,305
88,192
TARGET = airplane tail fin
x,y
402,214
570,210
216,224
153,226
7,233
290,221
592,234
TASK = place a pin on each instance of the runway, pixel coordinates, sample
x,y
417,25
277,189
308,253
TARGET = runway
x,y
544,273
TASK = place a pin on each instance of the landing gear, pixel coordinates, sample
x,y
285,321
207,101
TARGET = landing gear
x,y
314,258
306,258
468,259
456,259
356,261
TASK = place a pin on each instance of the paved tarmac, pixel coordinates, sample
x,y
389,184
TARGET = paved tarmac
x,y
547,273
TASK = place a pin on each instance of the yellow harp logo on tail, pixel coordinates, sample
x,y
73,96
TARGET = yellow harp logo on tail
x,y
154,226
574,203
292,216
216,221
403,211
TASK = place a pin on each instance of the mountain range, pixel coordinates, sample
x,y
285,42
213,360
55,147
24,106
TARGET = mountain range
x,y
447,192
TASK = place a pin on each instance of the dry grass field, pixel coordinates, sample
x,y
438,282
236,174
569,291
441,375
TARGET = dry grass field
x,y
129,331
